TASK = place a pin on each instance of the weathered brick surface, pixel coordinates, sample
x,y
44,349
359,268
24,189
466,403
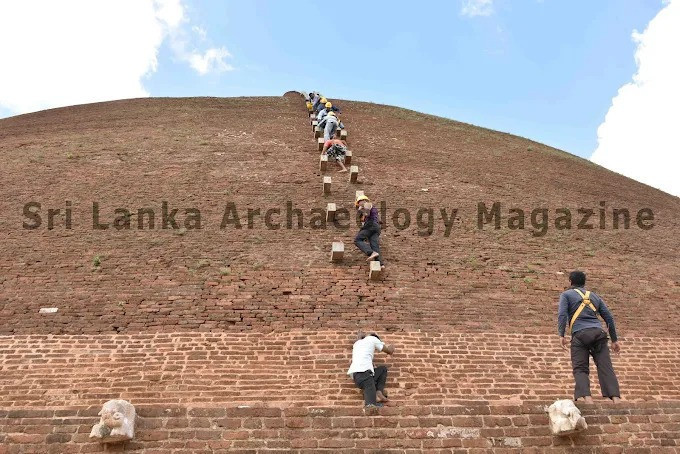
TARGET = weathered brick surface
x,y
190,324
306,368
629,428
204,153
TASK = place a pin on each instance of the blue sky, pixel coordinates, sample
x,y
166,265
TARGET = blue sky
x,y
544,70
595,78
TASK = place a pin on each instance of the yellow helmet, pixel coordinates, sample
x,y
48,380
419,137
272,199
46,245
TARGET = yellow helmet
x,y
328,105
324,100
359,199
331,114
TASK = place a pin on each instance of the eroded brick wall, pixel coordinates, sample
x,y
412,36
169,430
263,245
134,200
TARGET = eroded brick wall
x,y
308,368
467,427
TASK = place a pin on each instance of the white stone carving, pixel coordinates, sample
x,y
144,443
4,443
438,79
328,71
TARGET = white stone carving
x,y
565,418
117,422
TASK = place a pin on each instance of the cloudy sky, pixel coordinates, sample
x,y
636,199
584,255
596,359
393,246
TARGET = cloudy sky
x,y
597,79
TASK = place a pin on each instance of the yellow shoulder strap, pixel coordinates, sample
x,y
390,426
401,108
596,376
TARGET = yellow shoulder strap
x,y
584,303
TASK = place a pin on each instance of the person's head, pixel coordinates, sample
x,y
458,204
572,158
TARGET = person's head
x,y
328,105
577,278
311,94
361,200
363,335
324,100
332,114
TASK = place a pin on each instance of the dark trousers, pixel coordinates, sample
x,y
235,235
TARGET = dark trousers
x,y
370,232
371,383
586,342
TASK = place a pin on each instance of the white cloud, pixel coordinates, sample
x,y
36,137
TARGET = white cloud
x,y
200,32
170,12
639,136
211,60
58,53
203,62
474,8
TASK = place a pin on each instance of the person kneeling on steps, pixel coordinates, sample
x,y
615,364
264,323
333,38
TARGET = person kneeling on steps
x,y
370,379
368,238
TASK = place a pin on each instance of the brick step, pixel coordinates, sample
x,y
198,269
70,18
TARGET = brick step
x,y
468,426
285,388
273,398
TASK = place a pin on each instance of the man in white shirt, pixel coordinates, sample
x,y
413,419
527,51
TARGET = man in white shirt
x,y
371,380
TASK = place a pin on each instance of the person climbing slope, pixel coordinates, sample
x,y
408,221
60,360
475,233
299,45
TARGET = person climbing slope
x,y
367,377
336,150
319,103
315,98
368,238
329,124
323,112
578,310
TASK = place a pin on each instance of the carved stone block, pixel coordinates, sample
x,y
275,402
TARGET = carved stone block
x,y
565,418
117,422
374,270
353,174
337,251
330,212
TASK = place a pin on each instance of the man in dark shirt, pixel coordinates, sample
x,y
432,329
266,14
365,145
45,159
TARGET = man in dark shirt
x,y
368,238
577,312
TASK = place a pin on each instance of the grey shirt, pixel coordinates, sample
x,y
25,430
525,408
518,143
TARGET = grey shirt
x,y
328,119
570,300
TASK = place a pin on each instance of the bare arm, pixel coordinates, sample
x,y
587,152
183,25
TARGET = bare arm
x,y
389,349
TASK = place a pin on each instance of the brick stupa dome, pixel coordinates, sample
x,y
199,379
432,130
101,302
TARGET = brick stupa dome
x,y
230,339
